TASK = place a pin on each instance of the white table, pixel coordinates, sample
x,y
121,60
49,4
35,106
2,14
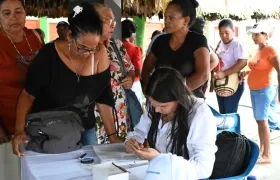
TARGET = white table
x,y
65,166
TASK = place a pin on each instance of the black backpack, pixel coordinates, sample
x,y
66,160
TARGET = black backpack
x,y
233,155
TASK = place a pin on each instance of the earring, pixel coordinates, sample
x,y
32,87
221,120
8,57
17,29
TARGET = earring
x,y
69,46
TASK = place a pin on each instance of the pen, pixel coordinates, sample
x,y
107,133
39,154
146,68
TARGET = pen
x,y
121,168
81,157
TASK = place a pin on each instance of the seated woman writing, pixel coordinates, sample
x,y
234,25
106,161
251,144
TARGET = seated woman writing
x,y
176,123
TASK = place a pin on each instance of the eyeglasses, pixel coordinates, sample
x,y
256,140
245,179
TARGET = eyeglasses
x,y
109,21
81,50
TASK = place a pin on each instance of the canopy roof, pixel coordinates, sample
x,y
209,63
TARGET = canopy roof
x,y
53,8
244,9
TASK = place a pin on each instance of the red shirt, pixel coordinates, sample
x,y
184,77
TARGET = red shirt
x,y
135,54
12,74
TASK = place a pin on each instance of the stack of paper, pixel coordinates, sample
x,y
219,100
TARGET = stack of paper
x,y
115,153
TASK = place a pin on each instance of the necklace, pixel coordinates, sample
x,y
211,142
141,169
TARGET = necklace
x,y
16,46
81,68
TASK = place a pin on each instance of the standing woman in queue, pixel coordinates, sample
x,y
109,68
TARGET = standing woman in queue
x,y
129,29
118,82
65,70
18,48
263,82
184,50
233,58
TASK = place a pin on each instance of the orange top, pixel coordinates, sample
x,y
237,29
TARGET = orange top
x,y
12,74
262,74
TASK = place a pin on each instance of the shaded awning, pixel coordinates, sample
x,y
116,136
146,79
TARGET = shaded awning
x,y
53,8
146,8
241,8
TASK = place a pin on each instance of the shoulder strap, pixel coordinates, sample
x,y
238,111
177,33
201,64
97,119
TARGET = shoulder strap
x,y
37,35
117,51
218,45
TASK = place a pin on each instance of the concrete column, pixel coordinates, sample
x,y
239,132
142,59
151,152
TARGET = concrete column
x,y
44,25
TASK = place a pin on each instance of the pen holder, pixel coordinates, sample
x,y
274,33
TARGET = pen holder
x,y
107,171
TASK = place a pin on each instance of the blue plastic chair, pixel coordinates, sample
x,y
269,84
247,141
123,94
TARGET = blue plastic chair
x,y
255,151
235,128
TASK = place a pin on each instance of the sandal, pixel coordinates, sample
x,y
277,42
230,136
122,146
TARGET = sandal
x,y
263,161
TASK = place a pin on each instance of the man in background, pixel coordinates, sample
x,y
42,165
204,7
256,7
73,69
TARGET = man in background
x,y
62,29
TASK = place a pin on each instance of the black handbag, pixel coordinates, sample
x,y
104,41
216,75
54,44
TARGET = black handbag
x,y
134,106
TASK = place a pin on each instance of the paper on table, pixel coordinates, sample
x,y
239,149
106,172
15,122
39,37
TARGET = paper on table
x,y
87,167
138,173
132,164
114,153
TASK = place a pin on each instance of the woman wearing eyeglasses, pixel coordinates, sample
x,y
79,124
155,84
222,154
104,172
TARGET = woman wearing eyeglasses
x,y
118,82
65,70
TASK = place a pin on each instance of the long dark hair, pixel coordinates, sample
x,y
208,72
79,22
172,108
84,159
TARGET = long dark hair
x,y
167,85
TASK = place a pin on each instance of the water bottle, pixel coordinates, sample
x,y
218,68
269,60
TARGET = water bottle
x,y
251,178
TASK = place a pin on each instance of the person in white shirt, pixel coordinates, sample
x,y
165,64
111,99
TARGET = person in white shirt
x,y
176,124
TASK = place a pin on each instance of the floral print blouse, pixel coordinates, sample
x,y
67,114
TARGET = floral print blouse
x,y
123,121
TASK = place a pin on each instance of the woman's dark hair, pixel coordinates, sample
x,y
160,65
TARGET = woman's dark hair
x,y
41,32
1,2
86,21
188,8
198,25
128,28
167,85
226,23
156,32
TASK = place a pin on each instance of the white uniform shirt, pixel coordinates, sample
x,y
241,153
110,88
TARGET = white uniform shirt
x,y
200,140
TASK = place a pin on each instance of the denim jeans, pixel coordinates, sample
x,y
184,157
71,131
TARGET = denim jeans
x,y
89,137
264,103
230,104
